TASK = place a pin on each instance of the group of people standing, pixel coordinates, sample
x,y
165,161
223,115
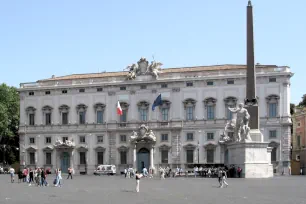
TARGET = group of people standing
x,y
38,176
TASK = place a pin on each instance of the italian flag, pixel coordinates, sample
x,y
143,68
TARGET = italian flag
x,y
119,109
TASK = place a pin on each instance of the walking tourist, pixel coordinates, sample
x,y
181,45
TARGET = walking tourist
x,y
70,170
20,176
219,176
12,173
138,176
223,179
125,172
58,178
30,176
195,170
239,170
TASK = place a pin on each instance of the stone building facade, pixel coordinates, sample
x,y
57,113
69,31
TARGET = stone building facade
x,y
81,109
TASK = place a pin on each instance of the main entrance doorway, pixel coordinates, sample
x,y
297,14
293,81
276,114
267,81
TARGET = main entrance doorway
x,y
143,159
65,162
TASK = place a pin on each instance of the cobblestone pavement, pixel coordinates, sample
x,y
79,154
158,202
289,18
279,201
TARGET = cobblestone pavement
x,y
116,189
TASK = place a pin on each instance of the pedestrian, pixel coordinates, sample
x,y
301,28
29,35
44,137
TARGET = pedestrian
x,y
223,180
219,176
69,173
125,172
20,176
239,170
43,177
59,178
12,173
30,176
138,176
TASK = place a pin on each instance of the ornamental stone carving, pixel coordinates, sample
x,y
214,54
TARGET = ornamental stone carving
x,y
143,67
143,134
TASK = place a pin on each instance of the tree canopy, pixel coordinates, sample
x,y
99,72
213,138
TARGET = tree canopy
x,y
9,122
303,102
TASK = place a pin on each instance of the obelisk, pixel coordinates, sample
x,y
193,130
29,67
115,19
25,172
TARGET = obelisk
x,y
251,102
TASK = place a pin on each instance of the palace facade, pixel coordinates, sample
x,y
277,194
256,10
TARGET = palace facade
x,y
71,121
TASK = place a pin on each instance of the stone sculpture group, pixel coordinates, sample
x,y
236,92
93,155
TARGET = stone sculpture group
x,y
143,134
240,126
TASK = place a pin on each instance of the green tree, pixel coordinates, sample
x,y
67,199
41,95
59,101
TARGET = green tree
x,y
303,102
292,107
9,123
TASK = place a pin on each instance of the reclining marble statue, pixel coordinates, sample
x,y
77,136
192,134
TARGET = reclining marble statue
x,y
240,126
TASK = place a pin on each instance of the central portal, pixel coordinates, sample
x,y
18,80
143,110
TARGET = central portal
x,y
143,159
65,162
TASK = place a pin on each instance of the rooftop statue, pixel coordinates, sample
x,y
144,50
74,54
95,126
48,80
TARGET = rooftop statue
x,y
143,134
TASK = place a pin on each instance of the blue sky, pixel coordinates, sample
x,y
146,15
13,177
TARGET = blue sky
x,y
42,38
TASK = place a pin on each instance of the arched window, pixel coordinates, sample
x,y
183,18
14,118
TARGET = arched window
x,y
30,111
210,106
64,113
99,110
81,112
272,105
47,115
143,108
274,146
189,106
164,108
124,107
230,102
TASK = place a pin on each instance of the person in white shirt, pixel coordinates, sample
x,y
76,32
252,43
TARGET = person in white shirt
x,y
12,173
195,170
125,172
223,178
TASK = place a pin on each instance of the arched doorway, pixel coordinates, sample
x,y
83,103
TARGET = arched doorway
x,y
65,162
143,159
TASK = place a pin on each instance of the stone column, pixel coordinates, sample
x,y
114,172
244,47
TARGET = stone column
x,y
71,158
134,157
151,157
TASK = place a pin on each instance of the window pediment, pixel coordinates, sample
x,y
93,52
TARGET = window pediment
x,y
123,148
82,148
64,108
230,100
81,107
30,109
272,98
100,149
99,106
124,105
165,104
189,102
48,148
273,144
190,147
47,108
32,148
164,147
210,101
210,145
143,104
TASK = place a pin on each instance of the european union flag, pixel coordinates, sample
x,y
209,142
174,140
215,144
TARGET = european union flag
x,y
158,101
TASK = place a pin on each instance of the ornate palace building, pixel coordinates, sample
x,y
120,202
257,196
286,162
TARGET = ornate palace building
x,y
71,121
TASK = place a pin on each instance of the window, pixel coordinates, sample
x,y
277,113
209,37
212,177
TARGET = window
x,y
100,157
143,87
122,138
272,79
272,110
31,93
81,117
210,83
100,139
298,139
48,118
143,114
230,81
81,90
64,118
272,134
48,158
164,85
165,113
32,140
65,139
48,140
164,137
82,158
64,91
123,116
273,154
189,112
210,155
31,119
99,116
99,89
189,136
189,83
122,88
189,155
82,139
299,124
210,112
164,156
32,157
48,92
123,159
210,136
